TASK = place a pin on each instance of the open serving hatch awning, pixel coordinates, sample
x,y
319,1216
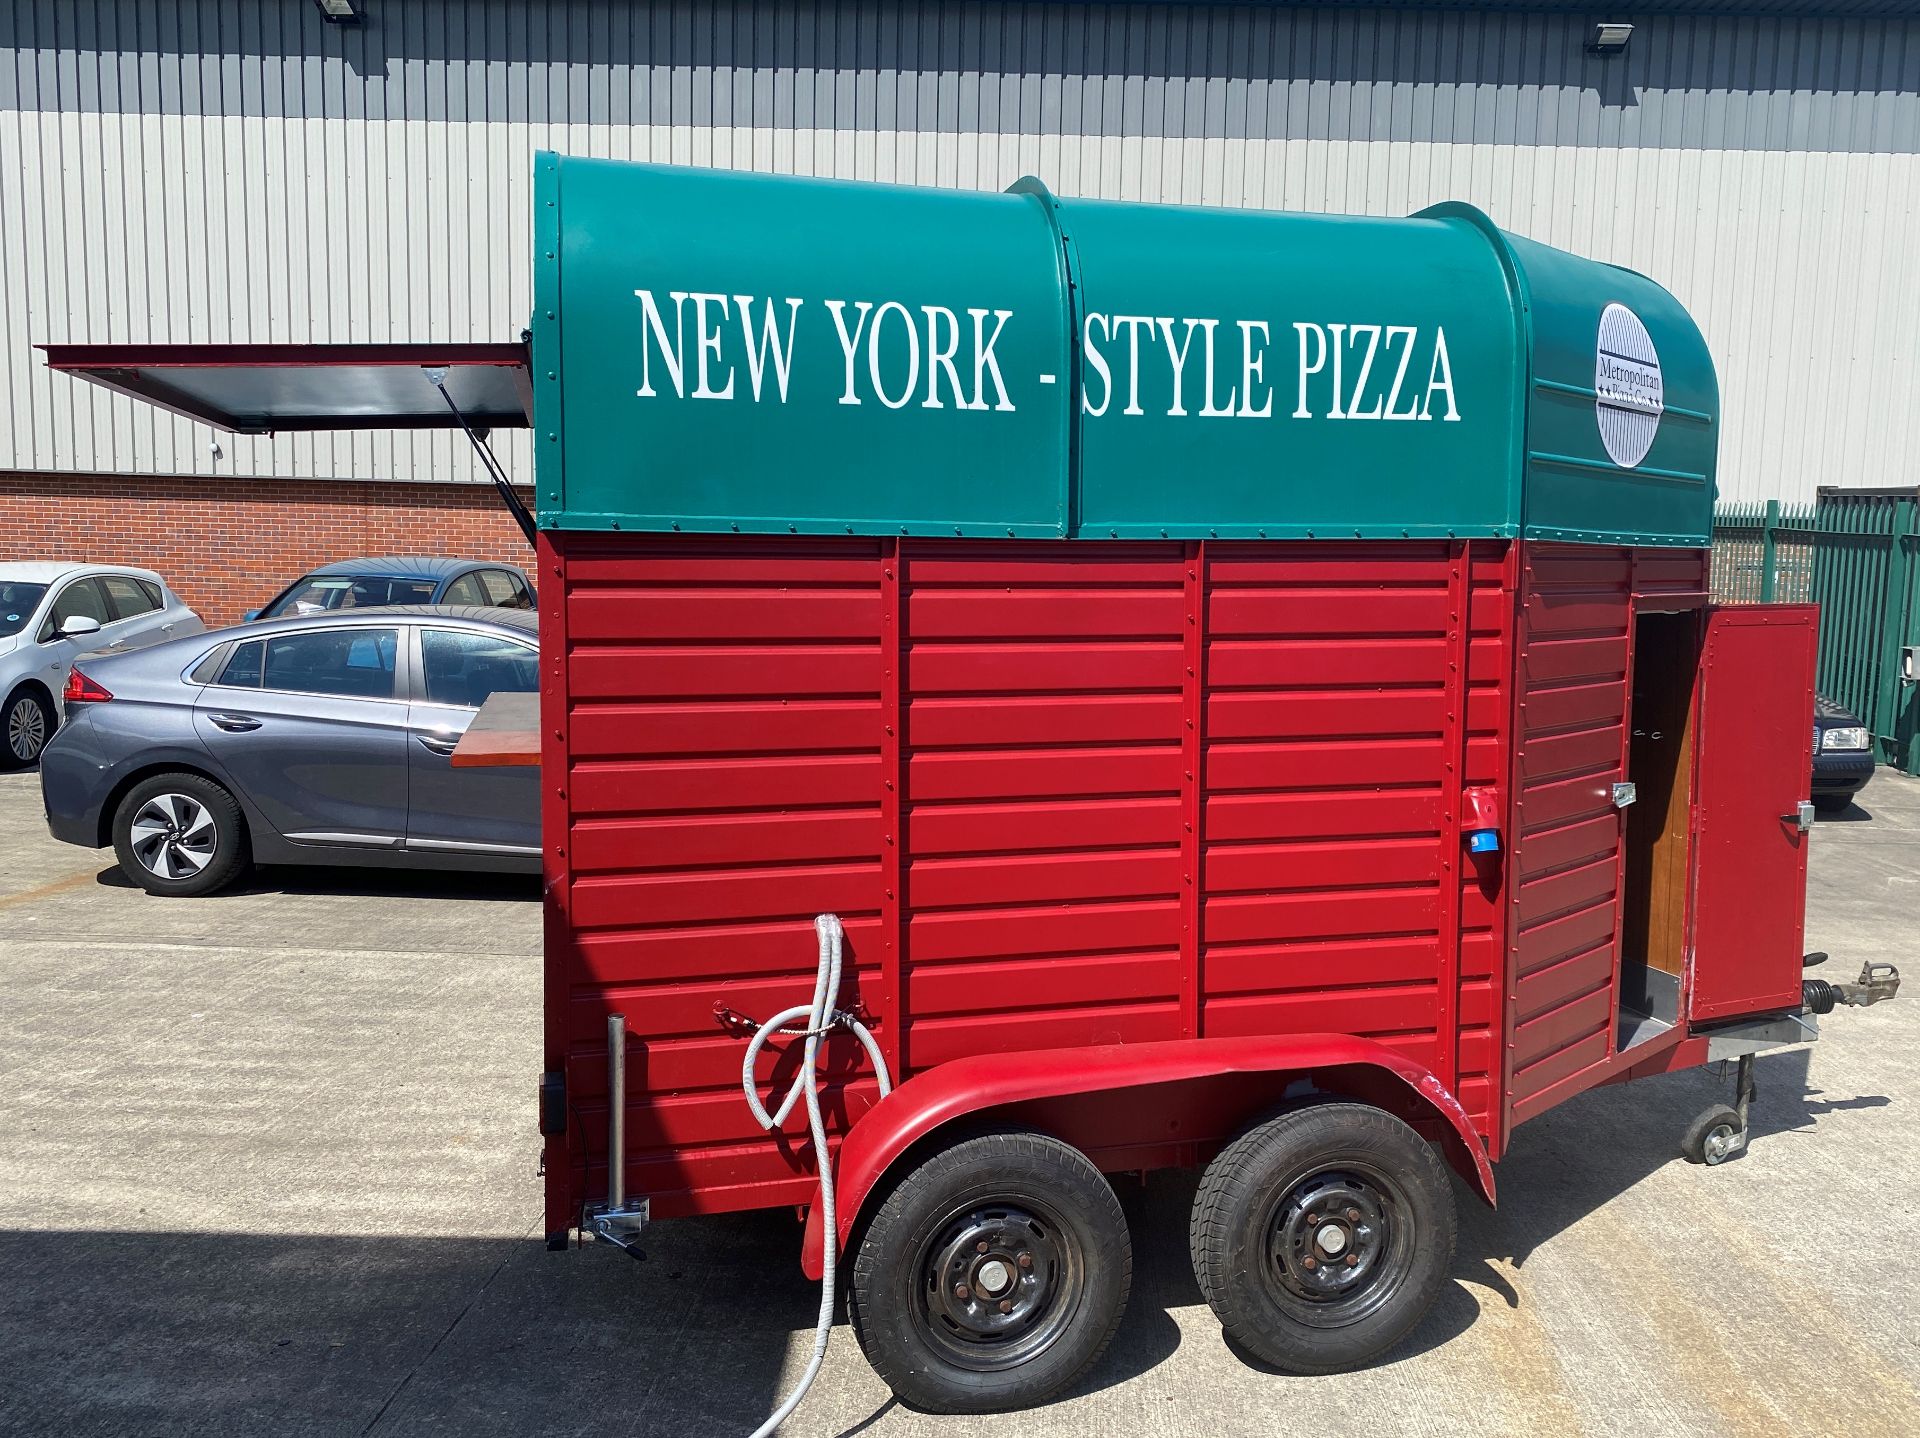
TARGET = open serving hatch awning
x,y
257,389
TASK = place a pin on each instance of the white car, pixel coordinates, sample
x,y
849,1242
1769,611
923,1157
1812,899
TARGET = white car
x,y
50,615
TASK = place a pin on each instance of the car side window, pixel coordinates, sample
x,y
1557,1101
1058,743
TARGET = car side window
x,y
211,664
462,668
127,596
504,590
368,593
81,599
242,669
18,601
351,663
465,590
313,595
155,599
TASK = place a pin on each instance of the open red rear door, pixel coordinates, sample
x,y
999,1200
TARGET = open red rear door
x,y
1754,768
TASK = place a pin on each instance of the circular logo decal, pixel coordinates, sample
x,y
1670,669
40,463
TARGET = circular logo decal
x,y
1629,398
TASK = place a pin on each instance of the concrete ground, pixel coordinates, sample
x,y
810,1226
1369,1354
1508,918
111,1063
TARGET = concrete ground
x,y
267,1166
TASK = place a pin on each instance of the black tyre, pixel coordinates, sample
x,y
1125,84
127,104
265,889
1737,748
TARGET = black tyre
x,y
180,835
29,722
1322,1237
1832,804
1714,1137
992,1277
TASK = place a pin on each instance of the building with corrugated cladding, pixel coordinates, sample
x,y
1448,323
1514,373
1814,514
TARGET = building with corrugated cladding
x,y
244,171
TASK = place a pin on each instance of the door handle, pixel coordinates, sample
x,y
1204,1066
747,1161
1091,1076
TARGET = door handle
x,y
437,743
1801,818
234,723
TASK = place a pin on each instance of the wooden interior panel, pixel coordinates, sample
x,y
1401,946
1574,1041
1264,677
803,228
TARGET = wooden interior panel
x,y
1660,764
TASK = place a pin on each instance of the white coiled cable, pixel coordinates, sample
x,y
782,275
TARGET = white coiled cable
x,y
821,1018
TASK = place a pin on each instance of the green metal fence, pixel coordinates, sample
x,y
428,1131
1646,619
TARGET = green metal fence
x,y
1763,553
1855,553
1864,581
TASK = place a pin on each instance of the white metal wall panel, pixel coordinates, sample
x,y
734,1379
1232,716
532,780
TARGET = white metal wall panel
x,y
235,170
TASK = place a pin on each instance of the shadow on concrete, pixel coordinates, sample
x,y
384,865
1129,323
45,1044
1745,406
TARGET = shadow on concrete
x,y
1854,813
1581,1155
391,1333
867,1422
371,882
1562,1166
121,1332
392,883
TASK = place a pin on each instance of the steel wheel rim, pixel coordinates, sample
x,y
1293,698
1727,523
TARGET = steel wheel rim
x,y
1339,1244
26,729
1718,1143
173,836
999,1283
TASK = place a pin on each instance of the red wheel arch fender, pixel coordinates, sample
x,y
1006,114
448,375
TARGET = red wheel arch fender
x,y
962,1088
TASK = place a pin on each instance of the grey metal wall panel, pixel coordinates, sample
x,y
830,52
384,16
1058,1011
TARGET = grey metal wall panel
x,y
236,170
1500,77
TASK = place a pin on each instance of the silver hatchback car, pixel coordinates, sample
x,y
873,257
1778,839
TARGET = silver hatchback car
x,y
52,612
317,740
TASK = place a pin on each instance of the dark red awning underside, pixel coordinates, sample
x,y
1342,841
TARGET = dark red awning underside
x,y
257,389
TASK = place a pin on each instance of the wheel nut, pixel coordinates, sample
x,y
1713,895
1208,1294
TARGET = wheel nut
x,y
981,1246
962,1292
1313,1220
1309,1263
1006,1305
1352,1260
1026,1260
1353,1215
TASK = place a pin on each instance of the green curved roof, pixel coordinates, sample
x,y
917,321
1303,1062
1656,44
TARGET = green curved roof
x,y
718,352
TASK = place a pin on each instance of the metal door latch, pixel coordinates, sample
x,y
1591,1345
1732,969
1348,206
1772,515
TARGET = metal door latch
x,y
1624,794
1801,817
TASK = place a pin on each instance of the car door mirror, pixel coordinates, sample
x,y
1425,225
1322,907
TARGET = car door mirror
x,y
77,626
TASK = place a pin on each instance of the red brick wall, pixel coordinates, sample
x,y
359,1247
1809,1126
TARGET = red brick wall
x,y
229,545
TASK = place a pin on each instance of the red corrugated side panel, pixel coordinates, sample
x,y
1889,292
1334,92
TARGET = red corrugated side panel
x,y
1059,794
1351,692
726,781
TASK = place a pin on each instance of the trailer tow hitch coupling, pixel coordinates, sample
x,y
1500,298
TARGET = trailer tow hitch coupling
x,y
1876,982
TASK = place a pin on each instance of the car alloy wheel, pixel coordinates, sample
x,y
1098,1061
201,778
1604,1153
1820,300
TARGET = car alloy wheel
x,y
26,729
174,836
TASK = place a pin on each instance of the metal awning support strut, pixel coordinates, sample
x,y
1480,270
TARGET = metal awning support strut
x,y
522,516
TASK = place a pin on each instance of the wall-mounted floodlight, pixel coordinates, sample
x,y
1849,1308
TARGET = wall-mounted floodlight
x,y
343,12
1609,38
